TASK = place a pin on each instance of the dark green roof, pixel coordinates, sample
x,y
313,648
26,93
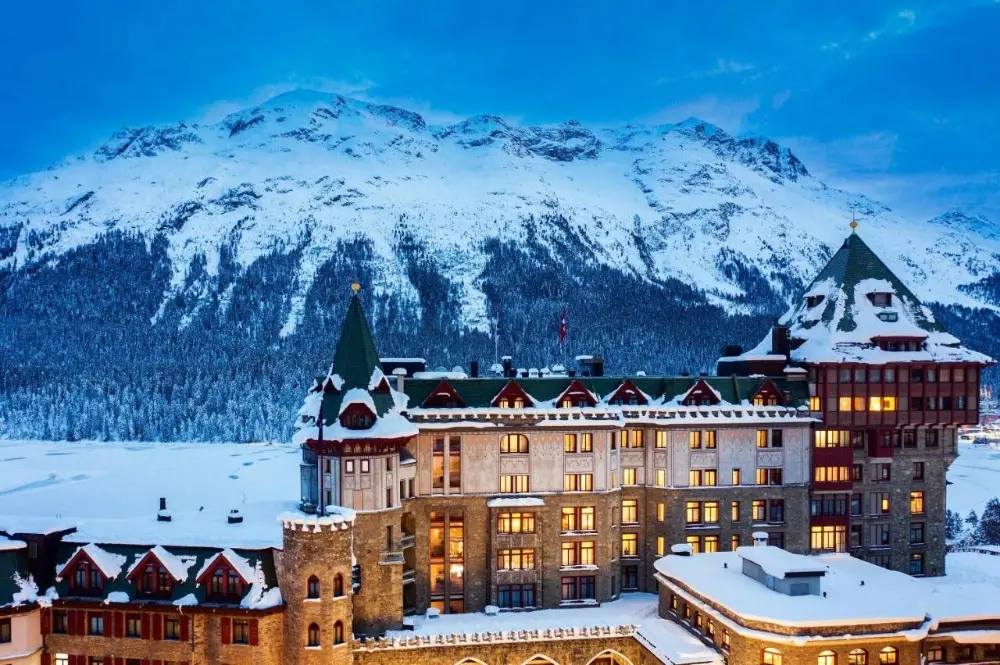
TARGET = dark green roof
x,y
182,588
480,392
355,357
12,562
854,262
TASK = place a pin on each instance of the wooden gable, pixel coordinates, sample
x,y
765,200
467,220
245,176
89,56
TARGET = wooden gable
x,y
767,394
627,393
576,395
444,396
69,570
700,394
220,561
512,395
357,416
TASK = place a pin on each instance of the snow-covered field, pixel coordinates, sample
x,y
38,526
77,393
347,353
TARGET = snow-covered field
x,y
974,478
111,491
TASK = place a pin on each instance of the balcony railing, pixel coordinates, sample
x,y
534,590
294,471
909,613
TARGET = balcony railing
x,y
409,576
390,556
408,540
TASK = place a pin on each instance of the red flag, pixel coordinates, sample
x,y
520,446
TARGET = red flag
x,y
562,327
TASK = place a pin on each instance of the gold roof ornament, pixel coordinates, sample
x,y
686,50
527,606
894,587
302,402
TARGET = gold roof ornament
x,y
854,224
355,287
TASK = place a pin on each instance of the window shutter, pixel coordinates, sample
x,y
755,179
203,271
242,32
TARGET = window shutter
x,y
185,628
108,621
227,630
146,632
157,627
71,621
46,621
46,659
253,632
145,661
119,660
119,624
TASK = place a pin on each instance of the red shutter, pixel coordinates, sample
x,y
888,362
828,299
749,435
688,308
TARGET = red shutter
x,y
157,662
253,632
119,660
71,620
157,627
145,661
46,621
146,633
227,630
108,621
184,629
46,659
119,624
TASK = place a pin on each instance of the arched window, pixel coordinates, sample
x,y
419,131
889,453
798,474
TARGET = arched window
x,y
888,656
539,660
513,443
338,586
312,590
609,657
770,656
857,657
826,658
313,635
338,632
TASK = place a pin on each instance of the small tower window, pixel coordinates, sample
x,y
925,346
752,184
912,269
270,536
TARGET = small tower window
x,y
880,299
338,632
889,317
312,590
338,586
313,639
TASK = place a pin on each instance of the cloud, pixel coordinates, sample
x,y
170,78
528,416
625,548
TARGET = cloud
x,y
779,99
729,114
723,66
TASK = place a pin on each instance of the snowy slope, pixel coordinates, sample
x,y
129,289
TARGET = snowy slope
x,y
307,169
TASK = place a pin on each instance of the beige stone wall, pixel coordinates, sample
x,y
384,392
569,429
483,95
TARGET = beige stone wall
x,y
378,603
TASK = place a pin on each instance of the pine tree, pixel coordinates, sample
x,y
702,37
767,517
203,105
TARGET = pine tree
x,y
952,525
989,523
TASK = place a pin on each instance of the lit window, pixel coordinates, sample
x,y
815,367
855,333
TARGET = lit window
x,y
662,438
888,656
628,476
916,503
513,443
630,544
736,477
661,478
661,512
844,404
826,658
857,657
710,512
513,484
814,404
660,545
630,511
694,478
770,656
874,403
693,512
586,443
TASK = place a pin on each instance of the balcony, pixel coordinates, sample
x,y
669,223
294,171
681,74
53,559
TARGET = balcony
x,y
408,540
409,576
390,557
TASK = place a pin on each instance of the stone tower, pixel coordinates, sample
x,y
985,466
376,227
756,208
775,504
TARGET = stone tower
x,y
314,571
351,430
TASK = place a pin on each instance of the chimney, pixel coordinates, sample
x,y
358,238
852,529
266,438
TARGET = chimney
x,y
235,516
474,369
508,366
759,538
163,515
780,342
400,374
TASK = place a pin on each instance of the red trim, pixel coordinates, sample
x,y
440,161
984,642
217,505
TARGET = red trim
x,y
511,390
144,626
119,624
46,621
358,446
226,625
108,623
46,659
253,632
185,629
698,392
767,388
357,410
221,561
435,399
157,621
626,391
69,570
576,392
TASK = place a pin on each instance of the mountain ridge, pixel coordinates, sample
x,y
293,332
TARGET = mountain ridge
x,y
243,235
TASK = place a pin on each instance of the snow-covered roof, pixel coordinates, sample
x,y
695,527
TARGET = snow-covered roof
x,y
357,396
780,563
885,597
516,502
835,321
109,564
7,544
177,566
235,561
110,491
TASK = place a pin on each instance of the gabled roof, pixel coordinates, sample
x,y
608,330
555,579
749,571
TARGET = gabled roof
x,y
765,384
701,390
175,565
627,390
510,389
577,388
231,559
443,389
109,563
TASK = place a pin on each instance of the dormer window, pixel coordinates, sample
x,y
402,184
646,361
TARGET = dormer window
x,y
357,416
880,299
155,580
224,583
813,301
87,578
511,403
889,317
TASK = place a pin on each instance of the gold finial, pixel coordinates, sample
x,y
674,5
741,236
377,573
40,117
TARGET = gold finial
x,y
355,287
854,220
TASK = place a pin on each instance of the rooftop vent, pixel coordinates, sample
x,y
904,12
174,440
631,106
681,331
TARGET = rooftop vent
x,y
235,516
681,549
163,515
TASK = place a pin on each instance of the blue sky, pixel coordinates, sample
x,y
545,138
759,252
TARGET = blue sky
x,y
899,100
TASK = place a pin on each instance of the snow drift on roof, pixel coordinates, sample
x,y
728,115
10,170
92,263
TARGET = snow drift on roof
x,y
109,564
177,566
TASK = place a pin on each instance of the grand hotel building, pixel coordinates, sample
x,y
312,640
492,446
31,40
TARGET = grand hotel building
x,y
426,494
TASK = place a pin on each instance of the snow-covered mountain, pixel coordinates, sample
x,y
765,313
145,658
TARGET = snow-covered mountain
x,y
676,217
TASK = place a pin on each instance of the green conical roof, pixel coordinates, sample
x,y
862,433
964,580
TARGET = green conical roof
x,y
854,262
355,357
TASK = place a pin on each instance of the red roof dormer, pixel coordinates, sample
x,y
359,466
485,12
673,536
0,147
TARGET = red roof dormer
x,y
512,396
627,393
156,573
767,394
357,415
576,395
700,394
226,577
444,396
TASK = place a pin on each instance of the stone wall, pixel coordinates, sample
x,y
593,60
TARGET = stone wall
x,y
378,603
